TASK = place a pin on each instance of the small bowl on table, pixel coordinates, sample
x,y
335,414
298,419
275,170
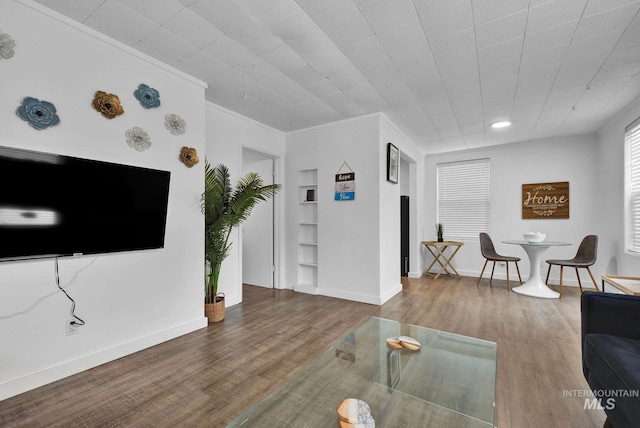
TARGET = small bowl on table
x,y
534,236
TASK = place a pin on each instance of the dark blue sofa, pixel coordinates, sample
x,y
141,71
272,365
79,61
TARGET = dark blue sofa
x,y
611,354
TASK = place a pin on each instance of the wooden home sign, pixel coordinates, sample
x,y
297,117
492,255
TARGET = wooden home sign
x,y
545,200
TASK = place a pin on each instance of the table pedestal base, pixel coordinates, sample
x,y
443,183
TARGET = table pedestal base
x,y
535,286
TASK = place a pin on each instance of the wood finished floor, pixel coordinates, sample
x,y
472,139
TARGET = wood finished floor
x,y
207,378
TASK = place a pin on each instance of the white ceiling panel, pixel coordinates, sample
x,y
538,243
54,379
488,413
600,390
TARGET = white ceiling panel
x,y
228,50
594,7
327,10
367,98
441,70
603,23
223,14
257,68
501,30
284,58
320,53
257,10
202,65
166,44
485,11
159,11
78,10
289,22
445,17
500,52
554,13
543,58
193,28
631,36
256,39
347,29
549,38
383,16
347,79
305,75
121,22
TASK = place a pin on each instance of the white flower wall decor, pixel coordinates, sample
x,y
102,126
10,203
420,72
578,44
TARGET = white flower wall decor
x,y
137,138
175,124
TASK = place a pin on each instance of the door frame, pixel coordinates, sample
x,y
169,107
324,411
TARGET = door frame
x,y
277,219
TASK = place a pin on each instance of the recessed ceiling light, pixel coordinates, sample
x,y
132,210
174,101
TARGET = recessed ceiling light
x,y
502,124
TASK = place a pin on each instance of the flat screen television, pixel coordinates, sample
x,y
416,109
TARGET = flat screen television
x,y
53,205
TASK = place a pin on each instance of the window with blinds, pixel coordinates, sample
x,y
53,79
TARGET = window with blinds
x,y
464,199
632,187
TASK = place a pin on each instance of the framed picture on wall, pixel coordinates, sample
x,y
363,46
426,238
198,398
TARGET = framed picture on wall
x,y
393,162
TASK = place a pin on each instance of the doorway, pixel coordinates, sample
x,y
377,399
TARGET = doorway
x,y
258,231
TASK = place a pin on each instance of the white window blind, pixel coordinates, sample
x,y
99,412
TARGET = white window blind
x,y
632,187
464,199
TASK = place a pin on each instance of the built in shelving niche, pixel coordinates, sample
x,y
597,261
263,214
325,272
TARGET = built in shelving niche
x,y
307,231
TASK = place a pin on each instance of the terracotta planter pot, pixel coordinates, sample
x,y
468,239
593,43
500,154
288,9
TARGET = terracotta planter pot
x,y
215,311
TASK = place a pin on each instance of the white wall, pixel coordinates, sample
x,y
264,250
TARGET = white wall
x,y
572,159
348,237
227,133
610,212
390,193
358,241
129,300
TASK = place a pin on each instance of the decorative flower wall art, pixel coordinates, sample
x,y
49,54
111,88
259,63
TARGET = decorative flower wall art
x,y
189,156
148,97
138,139
107,104
6,46
38,114
175,124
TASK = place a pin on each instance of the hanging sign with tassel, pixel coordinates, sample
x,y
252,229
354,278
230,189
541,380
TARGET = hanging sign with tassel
x,y
345,184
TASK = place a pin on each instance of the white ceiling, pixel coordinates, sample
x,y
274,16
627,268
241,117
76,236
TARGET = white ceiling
x,y
442,70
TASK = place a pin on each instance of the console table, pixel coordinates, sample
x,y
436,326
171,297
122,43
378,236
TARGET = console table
x,y
449,382
437,250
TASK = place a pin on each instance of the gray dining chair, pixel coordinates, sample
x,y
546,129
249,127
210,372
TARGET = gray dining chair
x,y
585,257
489,253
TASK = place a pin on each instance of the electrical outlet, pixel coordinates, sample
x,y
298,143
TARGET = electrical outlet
x,y
72,327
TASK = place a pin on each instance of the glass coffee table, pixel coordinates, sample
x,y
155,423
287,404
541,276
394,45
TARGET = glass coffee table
x,y
450,381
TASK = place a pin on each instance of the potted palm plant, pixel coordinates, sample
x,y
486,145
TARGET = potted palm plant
x,y
225,208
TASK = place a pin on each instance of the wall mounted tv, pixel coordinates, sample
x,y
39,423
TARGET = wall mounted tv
x,y
53,205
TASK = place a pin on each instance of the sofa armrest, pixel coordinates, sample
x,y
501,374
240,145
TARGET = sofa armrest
x,y
608,313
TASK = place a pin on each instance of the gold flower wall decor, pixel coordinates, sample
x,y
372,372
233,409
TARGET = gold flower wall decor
x,y
107,104
189,156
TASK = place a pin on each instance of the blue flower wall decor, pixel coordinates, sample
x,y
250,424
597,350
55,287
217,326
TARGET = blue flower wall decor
x,y
148,97
38,114
6,46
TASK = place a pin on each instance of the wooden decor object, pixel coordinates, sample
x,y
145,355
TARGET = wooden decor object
x,y
545,200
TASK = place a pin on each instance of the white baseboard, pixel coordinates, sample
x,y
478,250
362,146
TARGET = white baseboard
x,y
359,297
44,377
513,276
306,288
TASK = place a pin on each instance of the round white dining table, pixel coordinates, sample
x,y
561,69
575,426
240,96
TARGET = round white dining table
x,y
535,286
